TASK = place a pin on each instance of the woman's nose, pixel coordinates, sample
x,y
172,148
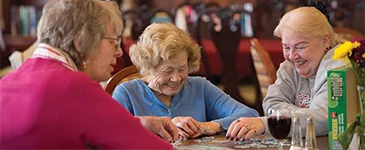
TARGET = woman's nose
x,y
175,76
293,55
119,52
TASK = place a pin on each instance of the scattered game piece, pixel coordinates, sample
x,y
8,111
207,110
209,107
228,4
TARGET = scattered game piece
x,y
201,147
205,139
221,142
176,143
243,146
208,143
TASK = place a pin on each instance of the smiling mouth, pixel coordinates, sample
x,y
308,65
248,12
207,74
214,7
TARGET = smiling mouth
x,y
173,86
299,62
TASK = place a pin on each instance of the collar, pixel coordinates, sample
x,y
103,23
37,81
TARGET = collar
x,y
46,51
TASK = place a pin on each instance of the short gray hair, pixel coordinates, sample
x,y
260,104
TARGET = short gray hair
x,y
82,21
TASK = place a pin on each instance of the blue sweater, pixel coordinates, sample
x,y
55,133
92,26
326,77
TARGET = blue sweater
x,y
198,98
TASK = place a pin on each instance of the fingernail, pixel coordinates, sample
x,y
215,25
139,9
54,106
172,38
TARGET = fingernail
x,y
227,137
242,139
237,139
232,138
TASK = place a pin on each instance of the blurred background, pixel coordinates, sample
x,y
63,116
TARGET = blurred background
x,y
222,59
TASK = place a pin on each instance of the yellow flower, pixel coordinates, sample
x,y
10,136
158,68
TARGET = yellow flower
x,y
345,50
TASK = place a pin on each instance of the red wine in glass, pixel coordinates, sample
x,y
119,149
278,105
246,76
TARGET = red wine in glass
x,y
279,126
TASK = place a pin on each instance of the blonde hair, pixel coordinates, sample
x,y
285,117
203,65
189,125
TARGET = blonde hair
x,y
82,21
159,43
307,21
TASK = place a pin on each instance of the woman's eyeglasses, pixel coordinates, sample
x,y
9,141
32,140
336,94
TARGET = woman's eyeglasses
x,y
118,39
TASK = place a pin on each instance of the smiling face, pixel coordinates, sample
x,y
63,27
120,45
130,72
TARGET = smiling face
x,y
101,62
171,76
305,52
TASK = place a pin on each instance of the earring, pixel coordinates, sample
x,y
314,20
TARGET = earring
x,y
84,65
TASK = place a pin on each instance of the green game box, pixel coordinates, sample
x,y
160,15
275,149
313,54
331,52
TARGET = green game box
x,y
343,103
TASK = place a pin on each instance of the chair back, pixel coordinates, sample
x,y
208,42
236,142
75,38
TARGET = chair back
x,y
347,33
126,74
264,67
224,28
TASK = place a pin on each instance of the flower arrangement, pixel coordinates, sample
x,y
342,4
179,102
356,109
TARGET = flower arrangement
x,y
354,51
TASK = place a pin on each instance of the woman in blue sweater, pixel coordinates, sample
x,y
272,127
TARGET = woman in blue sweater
x,y
165,55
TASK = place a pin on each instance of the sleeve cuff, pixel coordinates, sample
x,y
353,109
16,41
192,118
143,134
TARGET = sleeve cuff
x,y
264,121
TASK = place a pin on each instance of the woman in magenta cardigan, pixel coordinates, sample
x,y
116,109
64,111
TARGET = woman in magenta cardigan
x,y
54,100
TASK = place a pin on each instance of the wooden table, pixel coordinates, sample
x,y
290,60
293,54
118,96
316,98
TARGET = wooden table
x,y
322,144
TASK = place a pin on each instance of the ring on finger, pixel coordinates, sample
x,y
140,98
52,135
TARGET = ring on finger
x,y
246,126
254,131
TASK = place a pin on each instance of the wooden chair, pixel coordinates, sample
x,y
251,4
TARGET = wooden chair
x,y
264,67
225,33
133,23
126,74
347,33
199,35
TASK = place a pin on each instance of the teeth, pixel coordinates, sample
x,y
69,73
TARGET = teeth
x,y
173,86
299,62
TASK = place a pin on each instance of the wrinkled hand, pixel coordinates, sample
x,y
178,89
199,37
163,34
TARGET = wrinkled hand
x,y
208,128
244,128
161,126
187,126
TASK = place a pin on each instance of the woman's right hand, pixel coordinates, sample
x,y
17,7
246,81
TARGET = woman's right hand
x,y
161,126
245,128
187,126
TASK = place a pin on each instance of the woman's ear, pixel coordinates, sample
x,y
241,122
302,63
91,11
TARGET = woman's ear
x,y
77,45
327,40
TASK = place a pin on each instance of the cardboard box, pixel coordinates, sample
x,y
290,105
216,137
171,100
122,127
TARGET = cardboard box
x,y
343,103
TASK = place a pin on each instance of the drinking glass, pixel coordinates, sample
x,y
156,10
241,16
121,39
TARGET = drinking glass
x,y
279,122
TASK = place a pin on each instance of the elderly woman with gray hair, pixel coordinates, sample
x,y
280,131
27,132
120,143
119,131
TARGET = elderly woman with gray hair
x,y
165,55
54,100
308,42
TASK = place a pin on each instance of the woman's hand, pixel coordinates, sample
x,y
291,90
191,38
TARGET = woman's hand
x,y
187,126
208,128
244,128
161,126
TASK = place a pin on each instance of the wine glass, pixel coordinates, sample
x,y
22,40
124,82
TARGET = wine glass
x,y
279,122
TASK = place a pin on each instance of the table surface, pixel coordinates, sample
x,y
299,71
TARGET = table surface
x,y
219,142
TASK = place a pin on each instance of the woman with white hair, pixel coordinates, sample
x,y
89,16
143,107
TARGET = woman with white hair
x,y
308,42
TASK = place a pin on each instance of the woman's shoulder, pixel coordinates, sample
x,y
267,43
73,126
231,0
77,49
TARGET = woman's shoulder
x,y
197,83
329,63
196,80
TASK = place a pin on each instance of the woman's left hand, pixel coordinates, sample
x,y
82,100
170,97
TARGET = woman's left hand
x,y
245,128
